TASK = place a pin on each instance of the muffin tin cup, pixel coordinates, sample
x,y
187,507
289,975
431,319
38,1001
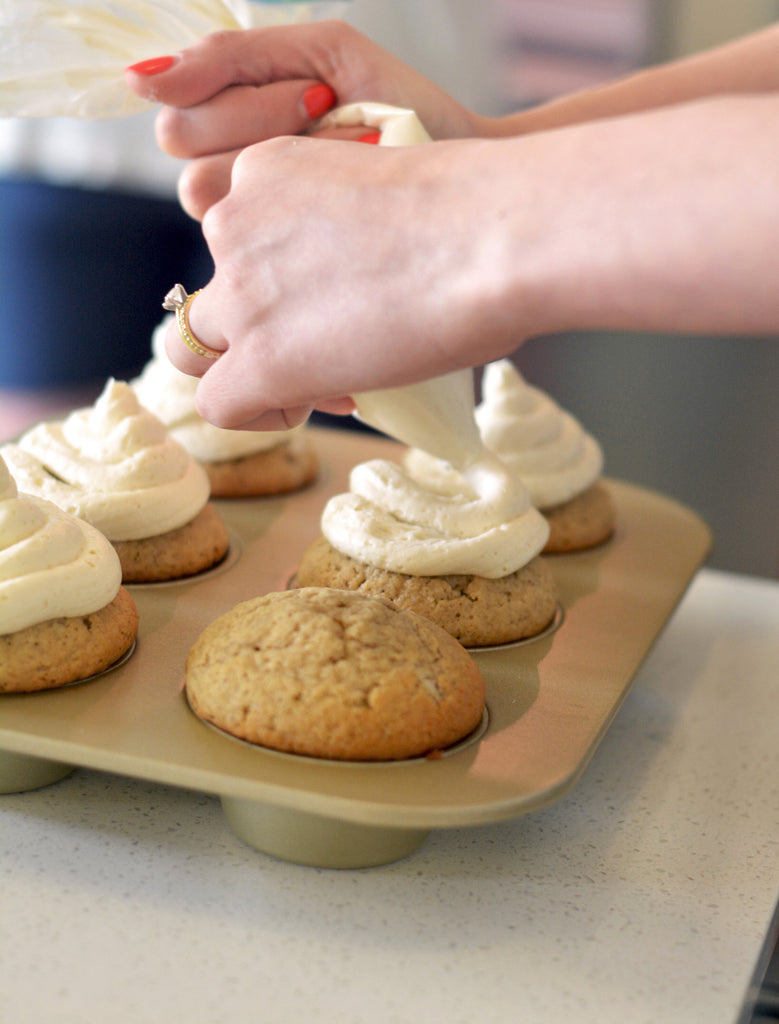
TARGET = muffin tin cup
x,y
317,841
20,773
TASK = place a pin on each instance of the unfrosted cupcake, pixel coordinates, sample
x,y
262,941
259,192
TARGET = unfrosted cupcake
x,y
239,463
337,675
114,465
64,615
560,464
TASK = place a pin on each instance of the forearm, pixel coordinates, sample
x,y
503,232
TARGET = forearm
x,y
660,222
749,64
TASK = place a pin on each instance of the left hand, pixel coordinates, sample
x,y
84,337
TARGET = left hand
x,y
233,89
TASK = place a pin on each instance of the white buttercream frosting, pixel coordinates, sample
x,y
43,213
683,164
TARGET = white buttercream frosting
x,y
481,521
390,521
51,564
114,465
545,445
170,395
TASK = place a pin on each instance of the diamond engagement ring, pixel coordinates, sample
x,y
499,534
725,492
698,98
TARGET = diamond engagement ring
x,y
178,302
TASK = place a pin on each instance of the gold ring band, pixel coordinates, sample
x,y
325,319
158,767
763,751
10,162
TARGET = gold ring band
x,y
178,302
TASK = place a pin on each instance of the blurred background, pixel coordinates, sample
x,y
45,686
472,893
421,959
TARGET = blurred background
x,y
89,228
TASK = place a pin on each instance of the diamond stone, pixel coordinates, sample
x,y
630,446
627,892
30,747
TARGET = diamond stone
x,y
175,298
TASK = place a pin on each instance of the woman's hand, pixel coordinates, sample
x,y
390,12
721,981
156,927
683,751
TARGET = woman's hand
x,y
220,98
234,89
343,268
340,268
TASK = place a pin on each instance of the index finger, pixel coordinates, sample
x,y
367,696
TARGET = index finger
x,y
239,116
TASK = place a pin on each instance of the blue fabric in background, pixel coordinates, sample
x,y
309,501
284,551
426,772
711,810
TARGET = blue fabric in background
x,y
82,277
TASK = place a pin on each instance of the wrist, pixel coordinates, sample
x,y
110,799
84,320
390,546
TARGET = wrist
x,y
501,248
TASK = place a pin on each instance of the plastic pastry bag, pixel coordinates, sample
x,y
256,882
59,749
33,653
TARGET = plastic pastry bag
x,y
436,415
67,59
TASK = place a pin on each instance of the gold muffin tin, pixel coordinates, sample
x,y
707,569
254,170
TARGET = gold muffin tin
x,y
549,701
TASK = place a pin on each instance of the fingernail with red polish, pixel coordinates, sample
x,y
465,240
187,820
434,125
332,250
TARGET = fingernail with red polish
x,y
318,99
153,66
371,137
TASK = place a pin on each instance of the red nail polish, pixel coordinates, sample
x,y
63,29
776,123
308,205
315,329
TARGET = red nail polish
x,y
371,137
318,99
153,66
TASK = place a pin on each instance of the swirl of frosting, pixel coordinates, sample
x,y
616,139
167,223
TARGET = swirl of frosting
x,y
170,395
393,522
114,465
555,458
51,564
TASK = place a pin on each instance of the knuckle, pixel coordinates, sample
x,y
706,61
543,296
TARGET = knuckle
x,y
248,164
217,43
334,31
214,223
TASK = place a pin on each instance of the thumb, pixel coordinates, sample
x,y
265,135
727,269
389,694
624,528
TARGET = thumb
x,y
251,57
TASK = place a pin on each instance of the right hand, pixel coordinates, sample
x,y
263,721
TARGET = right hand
x,y
359,273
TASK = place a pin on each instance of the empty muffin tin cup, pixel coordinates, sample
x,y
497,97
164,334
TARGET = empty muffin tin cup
x,y
315,840
20,773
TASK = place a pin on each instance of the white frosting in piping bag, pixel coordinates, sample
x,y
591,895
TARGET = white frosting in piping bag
x,y
540,442
170,395
486,524
114,465
51,564
398,125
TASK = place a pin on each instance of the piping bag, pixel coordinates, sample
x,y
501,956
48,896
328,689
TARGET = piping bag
x,y
435,415
67,59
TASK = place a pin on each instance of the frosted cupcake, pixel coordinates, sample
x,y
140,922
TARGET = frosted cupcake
x,y
64,615
239,463
559,463
467,556
472,569
115,466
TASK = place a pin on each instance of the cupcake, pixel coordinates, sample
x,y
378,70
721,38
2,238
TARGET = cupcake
x,y
115,466
559,463
239,463
470,564
329,674
64,615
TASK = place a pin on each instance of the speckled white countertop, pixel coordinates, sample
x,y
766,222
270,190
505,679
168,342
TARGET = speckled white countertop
x,y
641,898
